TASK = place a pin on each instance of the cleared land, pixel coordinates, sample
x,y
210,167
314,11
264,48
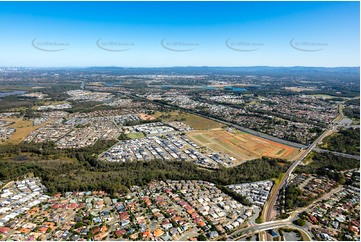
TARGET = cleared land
x,y
309,158
97,84
47,103
23,129
241,146
324,96
146,116
195,121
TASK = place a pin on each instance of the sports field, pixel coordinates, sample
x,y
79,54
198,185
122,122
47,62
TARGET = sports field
x,y
241,146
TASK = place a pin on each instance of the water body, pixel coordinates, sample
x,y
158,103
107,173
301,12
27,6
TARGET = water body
x,y
5,94
165,87
208,87
108,84
30,84
235,89
187,87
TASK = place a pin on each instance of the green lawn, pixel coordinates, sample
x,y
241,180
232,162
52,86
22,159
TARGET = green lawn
x,y
136,135
356,121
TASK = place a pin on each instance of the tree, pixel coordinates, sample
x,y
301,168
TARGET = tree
x,y
202,237
300,222
78,225
123,136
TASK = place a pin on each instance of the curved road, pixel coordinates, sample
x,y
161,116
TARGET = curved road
x,y
267,226
288,222
269,206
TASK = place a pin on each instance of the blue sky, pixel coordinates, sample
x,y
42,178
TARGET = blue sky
x,y
147,34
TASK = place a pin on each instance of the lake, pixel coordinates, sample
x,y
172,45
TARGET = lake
x,y
187,87
5,94
234,89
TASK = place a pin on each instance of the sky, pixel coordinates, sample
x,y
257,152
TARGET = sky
x,y
160,34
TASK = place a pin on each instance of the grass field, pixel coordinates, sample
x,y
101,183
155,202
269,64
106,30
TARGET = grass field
x,y
323,96
277,181
136,135
356,121
23,128
195,121
4,88
241,146
309,158
323,144
97,84
47,103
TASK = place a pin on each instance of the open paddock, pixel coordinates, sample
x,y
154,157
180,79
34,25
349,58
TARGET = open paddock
x,y
241,146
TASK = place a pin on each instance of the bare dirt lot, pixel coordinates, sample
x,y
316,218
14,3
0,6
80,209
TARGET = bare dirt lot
x,y
241,146
23,129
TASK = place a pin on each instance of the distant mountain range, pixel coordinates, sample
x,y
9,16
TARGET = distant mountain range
x,y
229,69
297,71
325,72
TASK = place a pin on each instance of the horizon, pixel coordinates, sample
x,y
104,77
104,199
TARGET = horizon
x,y
200,66
179,34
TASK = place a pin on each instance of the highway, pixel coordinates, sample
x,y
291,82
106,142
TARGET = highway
x,y
269,206
264,227
318,150
255,133
288,222
246,130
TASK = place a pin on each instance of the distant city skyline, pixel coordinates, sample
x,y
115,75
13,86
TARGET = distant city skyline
x,y
167,34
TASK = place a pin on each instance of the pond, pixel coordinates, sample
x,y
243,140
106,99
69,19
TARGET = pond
x,y
5,94
234,89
